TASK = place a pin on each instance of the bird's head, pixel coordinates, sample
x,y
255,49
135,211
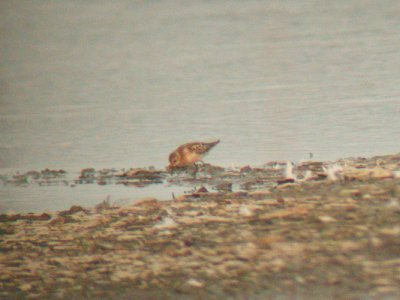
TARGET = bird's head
x,y
173,161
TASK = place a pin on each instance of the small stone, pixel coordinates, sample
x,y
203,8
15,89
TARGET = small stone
x,y
349,246
326,219
195,283
245,211
248,251
166,223
25,287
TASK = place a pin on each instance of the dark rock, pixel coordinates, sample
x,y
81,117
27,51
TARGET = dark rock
x,y
142,174
202,189
87,173
225,186
33,174
32,217
286,180
245,169
74,209
47,173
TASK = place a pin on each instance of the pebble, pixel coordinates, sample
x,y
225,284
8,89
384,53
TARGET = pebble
x,y
195,283
166,223
247,251
245,211
25,287
326,219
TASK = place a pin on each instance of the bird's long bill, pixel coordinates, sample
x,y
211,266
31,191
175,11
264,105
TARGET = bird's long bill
x,y
212,144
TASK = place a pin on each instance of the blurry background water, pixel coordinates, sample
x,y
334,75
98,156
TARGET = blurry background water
x,y
122,83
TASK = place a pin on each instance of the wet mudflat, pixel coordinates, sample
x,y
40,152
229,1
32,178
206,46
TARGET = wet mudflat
x,y
321,230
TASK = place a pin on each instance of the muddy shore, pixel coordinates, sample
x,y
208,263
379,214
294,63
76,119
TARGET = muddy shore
x,y
316,230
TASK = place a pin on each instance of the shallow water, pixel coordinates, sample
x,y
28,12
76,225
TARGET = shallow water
x,y
121,84
35,198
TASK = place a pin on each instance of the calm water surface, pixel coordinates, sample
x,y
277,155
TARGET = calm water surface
x,y
122,83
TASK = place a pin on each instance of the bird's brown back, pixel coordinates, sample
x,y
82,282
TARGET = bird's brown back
x,y
199,147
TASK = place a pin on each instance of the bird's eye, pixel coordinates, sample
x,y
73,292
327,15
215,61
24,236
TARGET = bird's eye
x,y
174,159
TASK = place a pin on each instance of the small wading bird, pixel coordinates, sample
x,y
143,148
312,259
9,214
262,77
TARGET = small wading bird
x,y
188,154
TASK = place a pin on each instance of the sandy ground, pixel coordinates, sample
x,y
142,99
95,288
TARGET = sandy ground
x,y
330,232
